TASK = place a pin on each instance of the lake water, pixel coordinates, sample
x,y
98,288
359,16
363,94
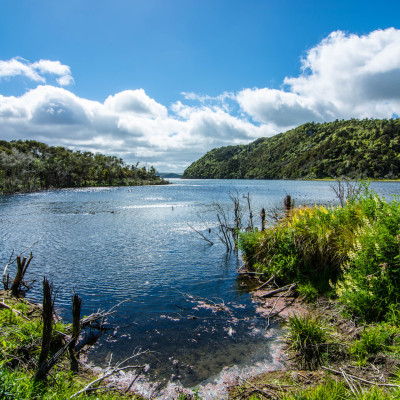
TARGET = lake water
x,y
135,244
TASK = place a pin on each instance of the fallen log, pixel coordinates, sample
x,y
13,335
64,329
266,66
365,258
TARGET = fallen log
x,y
281,289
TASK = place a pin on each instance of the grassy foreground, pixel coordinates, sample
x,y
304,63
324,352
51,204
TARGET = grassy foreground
x,y
20,343
349,256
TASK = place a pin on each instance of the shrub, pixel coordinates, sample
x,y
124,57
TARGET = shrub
x,y
376,339
307,340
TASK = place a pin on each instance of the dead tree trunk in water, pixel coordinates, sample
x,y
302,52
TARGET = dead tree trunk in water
x,y
251,225
76,319
288,203
262,220
22,266
47,314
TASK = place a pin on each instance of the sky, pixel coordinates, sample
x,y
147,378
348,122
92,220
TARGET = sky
x,y
161,82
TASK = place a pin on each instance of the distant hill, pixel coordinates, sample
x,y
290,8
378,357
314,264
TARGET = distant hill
x,y
368,148
169,175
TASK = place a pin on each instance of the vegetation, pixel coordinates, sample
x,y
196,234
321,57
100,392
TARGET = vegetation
x,y
21,328
31,165
368,148
350,253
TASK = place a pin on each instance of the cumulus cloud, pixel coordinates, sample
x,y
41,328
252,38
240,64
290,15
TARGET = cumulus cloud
x,y
136,102
344,76
129,124
36,71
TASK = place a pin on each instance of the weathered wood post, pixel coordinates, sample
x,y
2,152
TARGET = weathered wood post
x,y
47,315
262,220
76,318
288,203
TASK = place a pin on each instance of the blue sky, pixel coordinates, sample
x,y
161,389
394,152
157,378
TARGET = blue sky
x,y
164,81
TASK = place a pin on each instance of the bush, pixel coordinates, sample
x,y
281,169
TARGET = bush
x,y
307,340
381,338
352,252
370,285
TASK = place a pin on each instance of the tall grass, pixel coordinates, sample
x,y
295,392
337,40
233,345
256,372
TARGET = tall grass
x,y
351,252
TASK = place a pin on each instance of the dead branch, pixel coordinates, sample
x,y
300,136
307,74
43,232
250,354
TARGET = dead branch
x,y
265,283
76,328
204,237
22,266
16,312
12,261
361,379
276,302
111,371
257,389
281,289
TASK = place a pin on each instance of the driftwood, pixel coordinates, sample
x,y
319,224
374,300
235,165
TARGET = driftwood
x,y
360,379
111,371
281,289
265,283
16,312
276,302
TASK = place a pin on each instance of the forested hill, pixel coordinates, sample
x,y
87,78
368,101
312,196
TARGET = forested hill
x,y
368,148
31,165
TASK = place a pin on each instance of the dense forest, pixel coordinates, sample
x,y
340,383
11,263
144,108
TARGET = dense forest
x,y
30,165
368,148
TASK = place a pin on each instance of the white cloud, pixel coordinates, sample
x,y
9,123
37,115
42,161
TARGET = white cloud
x,y
136,102
344,76
129,124
36,71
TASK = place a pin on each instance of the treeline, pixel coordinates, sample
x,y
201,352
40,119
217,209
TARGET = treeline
x,y
368,148
30,165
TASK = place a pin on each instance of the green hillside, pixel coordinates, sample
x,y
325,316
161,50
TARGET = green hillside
x,y
369,148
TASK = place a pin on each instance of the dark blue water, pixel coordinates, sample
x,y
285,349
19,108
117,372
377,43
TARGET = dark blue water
x,y
135,244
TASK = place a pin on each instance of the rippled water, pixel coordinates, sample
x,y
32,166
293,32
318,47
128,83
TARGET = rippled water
x,y
135,244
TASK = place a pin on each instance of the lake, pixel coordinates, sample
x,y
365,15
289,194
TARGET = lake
x,y
137,244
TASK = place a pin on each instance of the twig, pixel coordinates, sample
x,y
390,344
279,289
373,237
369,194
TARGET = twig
x,y
276,302
362,380
118,367
264,392
201,235
347,379
281,289
265,283
4,305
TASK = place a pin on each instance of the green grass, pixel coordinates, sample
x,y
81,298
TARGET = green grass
x,y
20,344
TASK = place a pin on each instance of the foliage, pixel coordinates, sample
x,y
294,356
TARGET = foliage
x,y
337,390
351,251
20,342
308,340
359,149
370,285
31,165
382,338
